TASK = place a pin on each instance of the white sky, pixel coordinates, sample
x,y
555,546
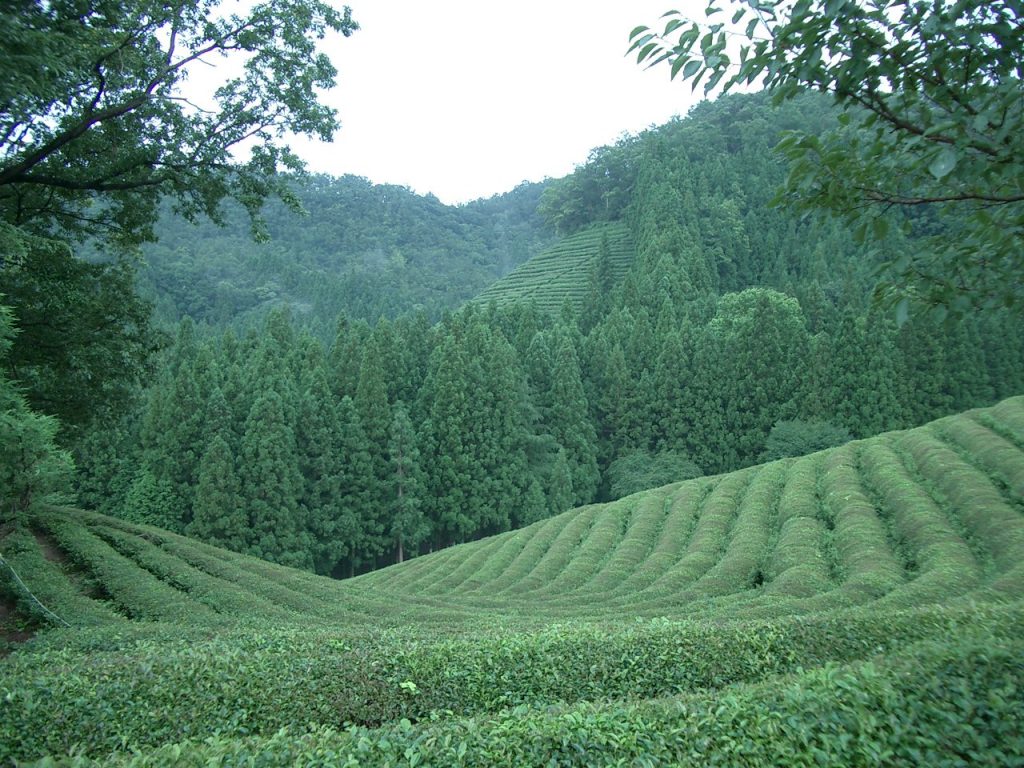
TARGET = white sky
x,y
467,98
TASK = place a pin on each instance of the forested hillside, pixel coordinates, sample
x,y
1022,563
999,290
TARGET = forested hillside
x,y
578,269
736,335
368,250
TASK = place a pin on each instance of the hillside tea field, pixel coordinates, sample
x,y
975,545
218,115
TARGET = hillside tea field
x,y
563,272
857,606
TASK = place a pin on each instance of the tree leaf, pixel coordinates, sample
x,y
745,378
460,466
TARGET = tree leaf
x,y
902,312
944,163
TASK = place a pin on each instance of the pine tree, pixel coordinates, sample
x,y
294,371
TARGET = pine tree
x,y
152,501
570,425
32,466
321,462
447,461
756,352
345,356
356,524
375,418
219,515
407,521
272,485
600,282
560,491
535,505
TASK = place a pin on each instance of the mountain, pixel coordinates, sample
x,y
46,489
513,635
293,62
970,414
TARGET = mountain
x,y
791,608
364,249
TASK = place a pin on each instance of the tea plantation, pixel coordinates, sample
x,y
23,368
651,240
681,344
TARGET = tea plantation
x,y
857,606
563,271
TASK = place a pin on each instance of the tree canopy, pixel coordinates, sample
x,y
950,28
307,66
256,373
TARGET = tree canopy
x,y
931,124
97,123
101,121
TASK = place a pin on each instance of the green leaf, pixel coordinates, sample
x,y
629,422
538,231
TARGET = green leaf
x,y
902,312
637,31
944,163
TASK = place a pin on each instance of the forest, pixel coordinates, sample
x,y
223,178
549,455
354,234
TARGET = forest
x,y
735,335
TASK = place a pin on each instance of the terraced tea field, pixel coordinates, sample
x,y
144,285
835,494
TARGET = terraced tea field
x,y
858,606
562,271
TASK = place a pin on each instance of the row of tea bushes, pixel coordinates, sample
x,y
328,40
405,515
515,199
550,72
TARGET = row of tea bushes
x,y
950,703
106,692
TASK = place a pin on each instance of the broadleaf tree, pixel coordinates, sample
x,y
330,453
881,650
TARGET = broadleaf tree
x,y
95,107
102,121
932,110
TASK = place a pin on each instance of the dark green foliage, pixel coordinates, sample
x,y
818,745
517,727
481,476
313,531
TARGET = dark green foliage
x,y
31,465
950,77
560,487
350,522
319,443
661,364
109,122
861,600
749,365
218,515
797,438
271,485
366,250
639,470
84,335
567,270
297,680
151,500
406,519
569,423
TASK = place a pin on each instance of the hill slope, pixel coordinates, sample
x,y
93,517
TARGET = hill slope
x,y
564,270
906,518
698,616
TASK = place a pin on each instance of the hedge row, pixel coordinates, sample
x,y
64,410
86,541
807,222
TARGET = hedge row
x,y
144,692
50,583
951,703
133,590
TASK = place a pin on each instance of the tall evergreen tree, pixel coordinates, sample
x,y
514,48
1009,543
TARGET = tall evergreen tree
x,y
219,514
271,485
356,523
756,350
321,462
560,490
570,425
375,418
406,519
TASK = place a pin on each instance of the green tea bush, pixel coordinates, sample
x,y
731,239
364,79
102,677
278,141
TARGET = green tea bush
x,y
51,584
135,591
553,561
943,563
684,504
997,456
869,567
996,526
108,692
949,703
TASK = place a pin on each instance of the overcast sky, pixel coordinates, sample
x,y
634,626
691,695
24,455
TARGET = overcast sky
x,y
467,98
